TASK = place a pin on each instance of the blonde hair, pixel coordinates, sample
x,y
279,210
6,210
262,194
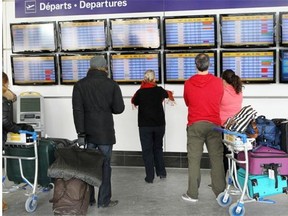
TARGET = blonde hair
x,y
149,76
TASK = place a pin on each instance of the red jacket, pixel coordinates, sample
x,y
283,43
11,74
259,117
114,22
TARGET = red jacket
x,y
203,95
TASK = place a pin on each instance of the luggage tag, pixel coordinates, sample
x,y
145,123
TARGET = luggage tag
x,y
271,174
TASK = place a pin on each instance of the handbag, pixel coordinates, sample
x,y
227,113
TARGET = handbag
x,y
240,121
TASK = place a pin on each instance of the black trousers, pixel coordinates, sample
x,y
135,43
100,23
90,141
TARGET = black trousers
x,y
151,139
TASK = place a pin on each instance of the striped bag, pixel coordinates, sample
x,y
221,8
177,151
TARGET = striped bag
x,y
240,121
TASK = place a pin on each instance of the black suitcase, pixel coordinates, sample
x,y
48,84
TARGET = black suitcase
x,y
46,156
284,136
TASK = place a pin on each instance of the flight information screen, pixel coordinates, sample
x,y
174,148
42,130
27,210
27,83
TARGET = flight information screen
x,y
283,29
74,67
135,33
130,67
83,35
33,37
194,31
180,66
34,70
283,66
251,66
247,30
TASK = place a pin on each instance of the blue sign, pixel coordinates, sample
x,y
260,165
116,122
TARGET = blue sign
x,y
43,8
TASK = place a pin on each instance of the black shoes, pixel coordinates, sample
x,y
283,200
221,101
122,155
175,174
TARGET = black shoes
x,y
162,176
148,181
110,204
92,202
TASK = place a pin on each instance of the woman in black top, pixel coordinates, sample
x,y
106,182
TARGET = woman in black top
x,y
151,121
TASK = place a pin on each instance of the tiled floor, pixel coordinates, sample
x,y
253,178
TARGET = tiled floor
x,y
163,197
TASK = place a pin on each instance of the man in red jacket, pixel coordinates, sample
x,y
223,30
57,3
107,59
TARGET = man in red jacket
x,y
202,94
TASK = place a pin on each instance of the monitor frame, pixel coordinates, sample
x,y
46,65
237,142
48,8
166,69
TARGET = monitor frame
x,y
33,83
281,71
252,44
33,51
90,55
281,17
212,52
79,22
190,46
131,47
251,80
138,81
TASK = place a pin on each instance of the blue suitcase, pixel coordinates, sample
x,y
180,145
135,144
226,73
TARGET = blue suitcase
x,y
260,186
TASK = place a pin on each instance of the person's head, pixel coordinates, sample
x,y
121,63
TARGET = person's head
x,y
98,63
149,76
202,62
5,82
232,79
6,92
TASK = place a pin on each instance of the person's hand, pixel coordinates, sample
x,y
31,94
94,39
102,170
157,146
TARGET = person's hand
x,y
81,139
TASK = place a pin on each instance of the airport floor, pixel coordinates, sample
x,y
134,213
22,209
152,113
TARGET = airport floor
x,y
163,197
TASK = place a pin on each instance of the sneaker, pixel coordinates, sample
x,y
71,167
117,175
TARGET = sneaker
x,y
210,185
187,198
112,203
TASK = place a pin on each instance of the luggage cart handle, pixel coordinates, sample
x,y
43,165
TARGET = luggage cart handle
x,y
34,134
241,135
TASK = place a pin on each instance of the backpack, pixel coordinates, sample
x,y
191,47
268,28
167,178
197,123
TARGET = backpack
x,y
268,133
70,197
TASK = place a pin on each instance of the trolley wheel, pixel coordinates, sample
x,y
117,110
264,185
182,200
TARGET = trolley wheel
x,y
31,203
222,202
48,188
233,208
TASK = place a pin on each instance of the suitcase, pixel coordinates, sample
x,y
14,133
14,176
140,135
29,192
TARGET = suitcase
x,y
264,158
46,157
260,186
70,197
284,136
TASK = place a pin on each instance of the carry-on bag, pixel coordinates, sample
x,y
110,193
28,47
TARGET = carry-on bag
x,y
263,158
46,157
76,169
260,186
84,164
71,197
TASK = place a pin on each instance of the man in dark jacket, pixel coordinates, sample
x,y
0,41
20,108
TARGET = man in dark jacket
x,y
95,98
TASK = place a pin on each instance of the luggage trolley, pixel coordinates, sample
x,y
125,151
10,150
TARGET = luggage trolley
x,y
20,141
236,142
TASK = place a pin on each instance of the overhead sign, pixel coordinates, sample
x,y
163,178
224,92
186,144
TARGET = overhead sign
x,y
43,8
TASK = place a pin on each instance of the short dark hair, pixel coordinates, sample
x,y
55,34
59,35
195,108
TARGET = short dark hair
x,y
202,62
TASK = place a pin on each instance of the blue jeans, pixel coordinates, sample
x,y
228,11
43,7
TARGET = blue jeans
x,y
104,194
